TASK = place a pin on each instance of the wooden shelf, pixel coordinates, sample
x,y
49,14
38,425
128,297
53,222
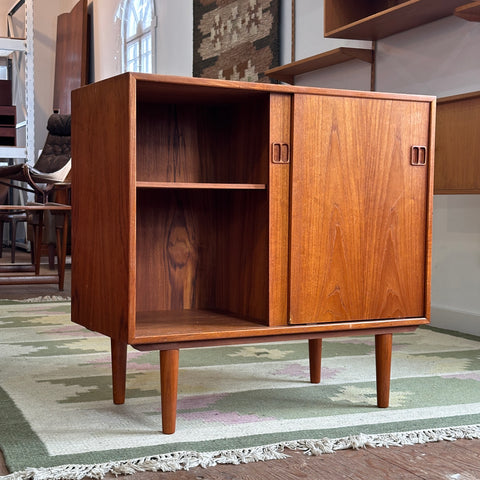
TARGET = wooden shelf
x,y
354,20
470,12
202,186
169,326
287,73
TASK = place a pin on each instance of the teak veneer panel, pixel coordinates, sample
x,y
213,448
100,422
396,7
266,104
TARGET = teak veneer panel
x,y
71,56
203,250
103,208
355,187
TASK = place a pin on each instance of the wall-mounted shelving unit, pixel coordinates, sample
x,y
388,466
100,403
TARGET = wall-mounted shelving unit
x,y
470,12
286,73
366,20
363,20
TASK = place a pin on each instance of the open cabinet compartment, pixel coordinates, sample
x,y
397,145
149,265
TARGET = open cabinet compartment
x,y
201,211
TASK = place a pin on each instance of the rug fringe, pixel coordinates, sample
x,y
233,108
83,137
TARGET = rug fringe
x,y
186,460
45,298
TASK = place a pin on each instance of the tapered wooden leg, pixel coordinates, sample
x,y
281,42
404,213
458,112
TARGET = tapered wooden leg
x,y
37,242
315,358
383,360
169,383
62,236
119,370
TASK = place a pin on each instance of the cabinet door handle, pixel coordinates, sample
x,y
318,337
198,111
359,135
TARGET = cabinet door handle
x,y
280,153
418,155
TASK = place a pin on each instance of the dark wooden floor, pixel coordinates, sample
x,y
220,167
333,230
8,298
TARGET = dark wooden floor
x,y
458,460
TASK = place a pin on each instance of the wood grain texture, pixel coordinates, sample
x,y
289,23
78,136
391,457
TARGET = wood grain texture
x,y
203,249
457,169
168,326
169,386
71,57
383,361
446,459
103,207
152,88
278,204
201,142
315,359
360,226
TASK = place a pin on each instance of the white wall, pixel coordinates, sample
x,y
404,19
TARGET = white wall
x,y
45,14
174,38
309,41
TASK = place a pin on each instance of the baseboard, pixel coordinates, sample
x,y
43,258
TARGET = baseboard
x,y
461,321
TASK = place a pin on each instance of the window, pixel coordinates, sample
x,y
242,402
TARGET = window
x,y
138,36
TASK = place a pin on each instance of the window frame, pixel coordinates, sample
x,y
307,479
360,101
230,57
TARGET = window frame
x,y
138,38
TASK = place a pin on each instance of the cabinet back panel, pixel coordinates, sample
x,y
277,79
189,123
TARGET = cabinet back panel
x,y
203,249
203,143
359,221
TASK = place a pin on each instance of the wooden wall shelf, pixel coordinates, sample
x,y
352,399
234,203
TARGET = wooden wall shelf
x,y
286,73
470,12
366,20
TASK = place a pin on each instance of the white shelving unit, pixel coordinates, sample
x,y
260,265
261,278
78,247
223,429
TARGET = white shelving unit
x,y
23,51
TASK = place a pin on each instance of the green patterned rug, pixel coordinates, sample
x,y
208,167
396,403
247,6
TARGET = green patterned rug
x,y
238,403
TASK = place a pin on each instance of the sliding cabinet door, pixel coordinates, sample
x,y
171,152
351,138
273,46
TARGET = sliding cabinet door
x,y
359,209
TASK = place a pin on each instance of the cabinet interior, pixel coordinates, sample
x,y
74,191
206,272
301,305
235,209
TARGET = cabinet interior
x,y
202,205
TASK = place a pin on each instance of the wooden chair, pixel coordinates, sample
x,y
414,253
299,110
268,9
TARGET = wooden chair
x,y
53,165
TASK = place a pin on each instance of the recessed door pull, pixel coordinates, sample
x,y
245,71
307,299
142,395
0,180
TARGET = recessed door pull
x,y
280,153
418,156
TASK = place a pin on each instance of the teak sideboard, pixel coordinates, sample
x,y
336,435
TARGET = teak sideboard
x,y
209,212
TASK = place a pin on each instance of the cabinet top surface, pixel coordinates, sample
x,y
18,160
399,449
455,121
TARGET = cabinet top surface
x,y
149,85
